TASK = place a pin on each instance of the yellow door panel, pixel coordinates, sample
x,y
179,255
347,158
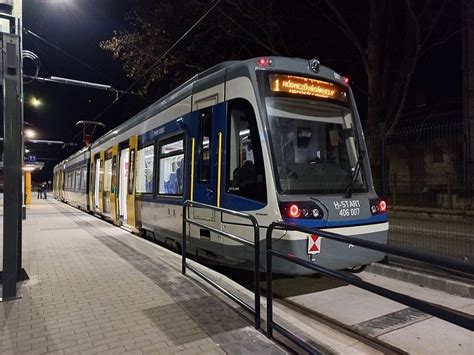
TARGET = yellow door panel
x,y
91,184
131,215
114,186
101,182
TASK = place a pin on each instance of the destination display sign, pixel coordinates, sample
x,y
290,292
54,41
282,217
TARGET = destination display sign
x,y
302,86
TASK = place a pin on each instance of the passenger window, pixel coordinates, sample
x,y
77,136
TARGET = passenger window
x,y
84,179
108,175
171,157
131,172
70,181
92,177
77,186
114,174
205,120
101,175
246,173
145,169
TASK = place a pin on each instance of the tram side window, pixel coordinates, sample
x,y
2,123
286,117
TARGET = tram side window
x,y
108,175
69,180
66,181
145,169
71,185
205,120
245,170
77,185
171,155
84,178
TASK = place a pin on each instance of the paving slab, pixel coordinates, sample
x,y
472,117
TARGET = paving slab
x,y
92,289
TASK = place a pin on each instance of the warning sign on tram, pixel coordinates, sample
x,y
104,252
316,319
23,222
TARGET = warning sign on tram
x,y
314,244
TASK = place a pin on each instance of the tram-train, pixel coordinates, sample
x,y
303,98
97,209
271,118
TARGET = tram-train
x,y
278,138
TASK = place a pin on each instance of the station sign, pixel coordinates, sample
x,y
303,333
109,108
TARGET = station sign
x,y
302,86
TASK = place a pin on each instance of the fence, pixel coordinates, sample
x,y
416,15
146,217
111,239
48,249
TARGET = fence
x,y
422,170
255,244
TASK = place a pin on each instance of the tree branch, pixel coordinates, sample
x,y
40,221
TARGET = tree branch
x,y
442,41
346,30
250,34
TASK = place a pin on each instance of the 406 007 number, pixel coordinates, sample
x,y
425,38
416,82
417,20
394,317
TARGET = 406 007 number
x,y
346,212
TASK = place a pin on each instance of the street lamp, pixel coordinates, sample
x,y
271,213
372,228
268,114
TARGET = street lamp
x,y
35,102
29,133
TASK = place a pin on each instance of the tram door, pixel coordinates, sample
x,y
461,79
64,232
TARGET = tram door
x,y
97,184
122,185
207,169
131,216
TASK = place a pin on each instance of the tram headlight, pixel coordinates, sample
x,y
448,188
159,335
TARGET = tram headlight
x,y
300,210
294,211
377,206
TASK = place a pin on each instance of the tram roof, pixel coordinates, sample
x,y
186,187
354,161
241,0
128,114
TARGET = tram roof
x,y
185,89
75,155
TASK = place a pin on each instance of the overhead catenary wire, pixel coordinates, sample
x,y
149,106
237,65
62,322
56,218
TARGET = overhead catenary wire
x,y
26,54
153,65
74,82
52,45
160,58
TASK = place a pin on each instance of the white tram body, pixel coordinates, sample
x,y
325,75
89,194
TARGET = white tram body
x,y
277,138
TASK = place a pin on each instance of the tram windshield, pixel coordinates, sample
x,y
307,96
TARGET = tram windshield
x,y
314,146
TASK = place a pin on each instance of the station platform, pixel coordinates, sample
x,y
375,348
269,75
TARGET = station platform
x,y
95,288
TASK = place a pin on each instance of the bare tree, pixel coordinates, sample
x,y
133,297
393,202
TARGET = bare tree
x,y
390,38
237,29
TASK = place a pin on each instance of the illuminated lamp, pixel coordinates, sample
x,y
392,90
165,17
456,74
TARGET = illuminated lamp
x,y
345,79
294,211
382,206
265,62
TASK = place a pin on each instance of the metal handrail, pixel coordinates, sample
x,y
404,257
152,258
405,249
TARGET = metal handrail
x,y
405,253
453,316
256,244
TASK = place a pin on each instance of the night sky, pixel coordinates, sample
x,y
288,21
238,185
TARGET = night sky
x,y
78,26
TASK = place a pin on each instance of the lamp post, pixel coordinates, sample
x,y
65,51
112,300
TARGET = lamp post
x,y
12,86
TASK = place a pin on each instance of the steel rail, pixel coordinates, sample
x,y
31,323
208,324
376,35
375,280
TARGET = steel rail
x,y
453,316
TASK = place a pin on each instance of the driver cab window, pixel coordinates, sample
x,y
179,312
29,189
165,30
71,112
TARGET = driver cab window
x,y
246,174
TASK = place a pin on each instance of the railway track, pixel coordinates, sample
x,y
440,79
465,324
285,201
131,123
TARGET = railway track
x,y
340,327
286,287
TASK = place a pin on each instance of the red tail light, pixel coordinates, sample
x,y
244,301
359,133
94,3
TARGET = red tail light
x,y
378,206
294,211
300,209
265,62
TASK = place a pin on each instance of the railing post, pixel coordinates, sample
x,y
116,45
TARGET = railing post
x,y
183,241
257,273
269,282
256,244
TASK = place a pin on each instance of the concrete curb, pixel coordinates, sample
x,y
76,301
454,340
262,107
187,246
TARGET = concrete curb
x,y
439,283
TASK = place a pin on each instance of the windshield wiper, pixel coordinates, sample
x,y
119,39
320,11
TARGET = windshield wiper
x,y
356,171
